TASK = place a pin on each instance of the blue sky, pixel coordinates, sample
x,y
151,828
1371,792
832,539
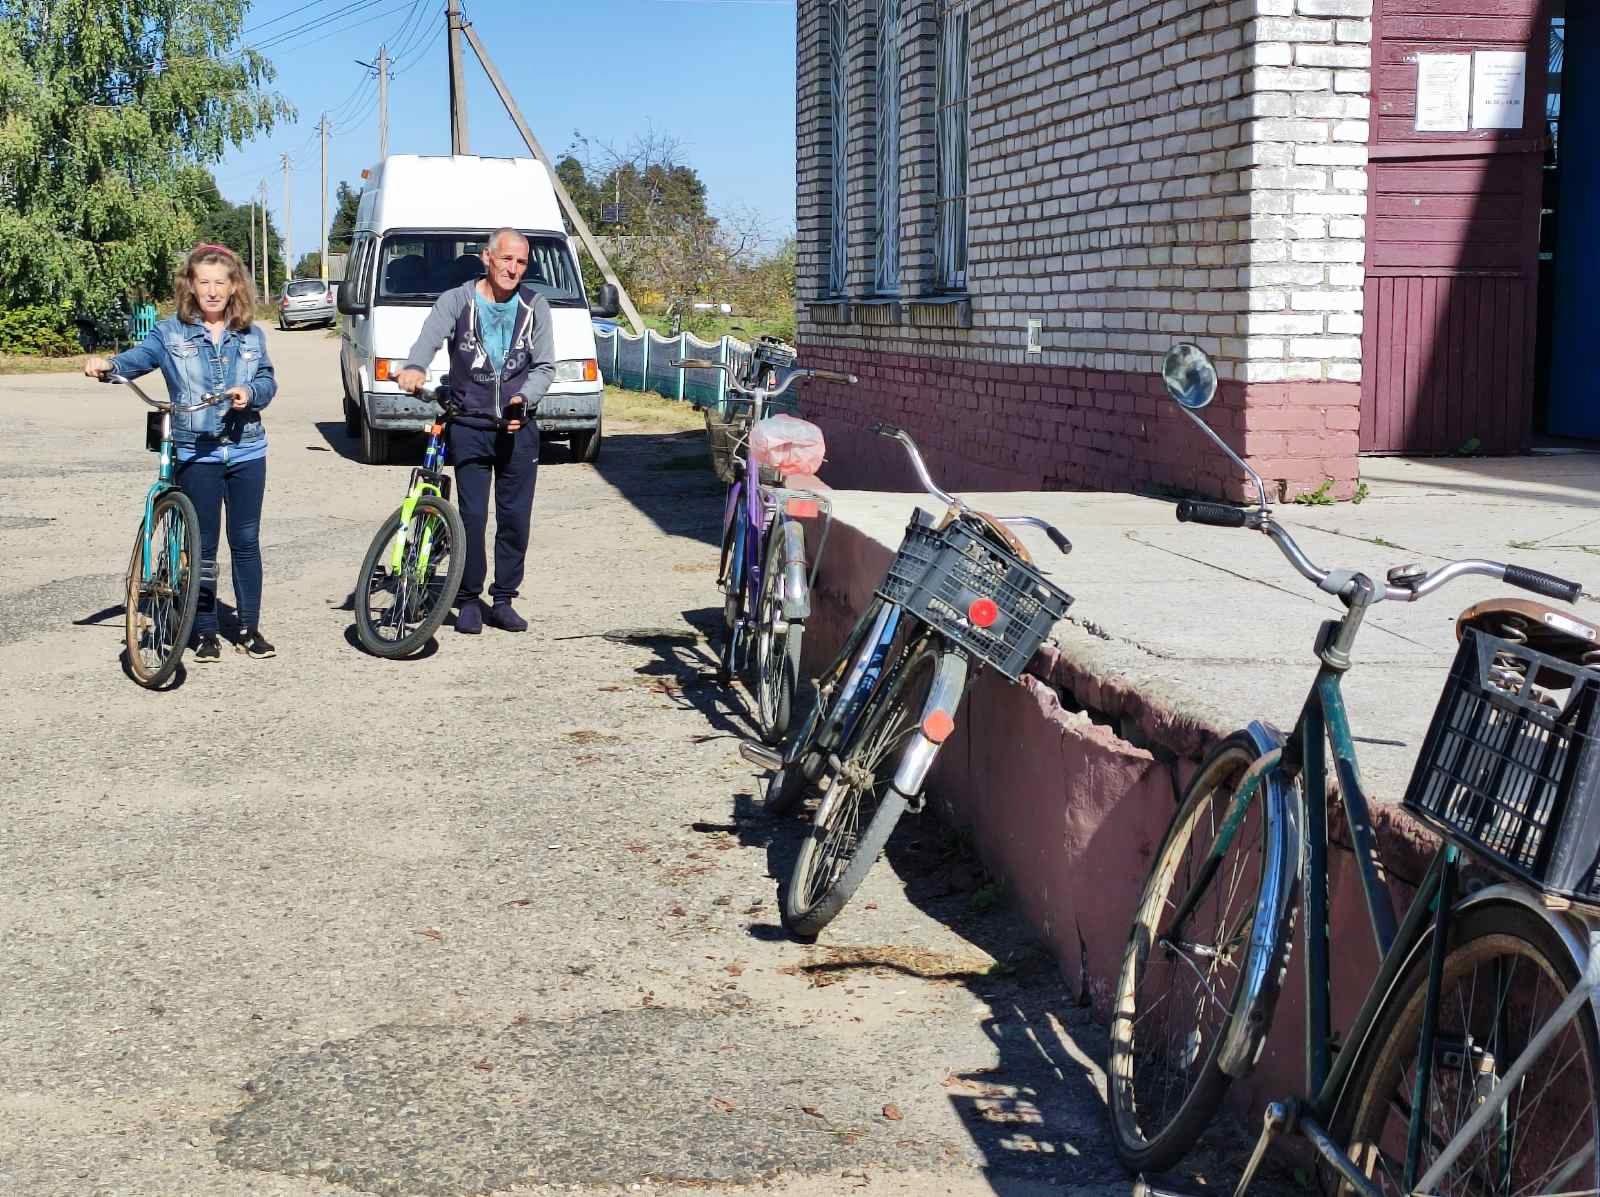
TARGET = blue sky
x,y
716,75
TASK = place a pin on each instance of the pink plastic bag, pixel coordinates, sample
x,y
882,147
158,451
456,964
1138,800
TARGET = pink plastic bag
x,y
787,444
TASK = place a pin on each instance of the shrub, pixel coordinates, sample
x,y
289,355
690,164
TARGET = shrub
x,y
40,330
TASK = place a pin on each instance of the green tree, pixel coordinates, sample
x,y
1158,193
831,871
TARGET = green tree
x,y
343,225
107,106
309,265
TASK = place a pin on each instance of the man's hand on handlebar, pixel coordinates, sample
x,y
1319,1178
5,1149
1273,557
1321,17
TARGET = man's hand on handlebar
x,y
97,367
410,380
516,413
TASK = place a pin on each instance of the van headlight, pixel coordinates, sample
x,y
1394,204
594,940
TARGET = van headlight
x,y
578,369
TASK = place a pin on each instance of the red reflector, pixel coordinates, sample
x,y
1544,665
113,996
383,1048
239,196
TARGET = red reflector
x,y
938,726
801,508
983,612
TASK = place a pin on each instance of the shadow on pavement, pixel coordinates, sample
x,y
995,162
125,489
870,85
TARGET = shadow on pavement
x,y
668,479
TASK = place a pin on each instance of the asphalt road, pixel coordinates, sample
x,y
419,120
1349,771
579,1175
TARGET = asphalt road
x,y
500,918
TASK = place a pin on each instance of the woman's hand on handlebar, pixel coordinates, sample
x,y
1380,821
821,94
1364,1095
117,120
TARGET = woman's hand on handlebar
x,y
410,380
96,367
241,397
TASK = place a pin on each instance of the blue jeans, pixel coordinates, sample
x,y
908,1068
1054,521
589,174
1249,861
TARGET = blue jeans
x,y
240,486
511,462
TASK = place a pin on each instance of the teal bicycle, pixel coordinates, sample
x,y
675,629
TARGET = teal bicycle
x,y
1473,1064
163,582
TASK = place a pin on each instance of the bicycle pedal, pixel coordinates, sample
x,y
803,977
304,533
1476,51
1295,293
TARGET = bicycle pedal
x,y
761,755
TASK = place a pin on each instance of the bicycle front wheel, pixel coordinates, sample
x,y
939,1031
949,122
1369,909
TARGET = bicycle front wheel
x,y
777,672
860,808
731,575
399,609
1505,973
1178,987
160,606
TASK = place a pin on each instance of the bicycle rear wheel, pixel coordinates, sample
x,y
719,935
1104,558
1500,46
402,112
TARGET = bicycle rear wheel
x,y
160,607
731,575
1504,974
777,654
398,610
1178,989
860,808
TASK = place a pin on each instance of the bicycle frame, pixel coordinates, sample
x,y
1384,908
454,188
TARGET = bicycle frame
x,y
165,481
427,479
1300,764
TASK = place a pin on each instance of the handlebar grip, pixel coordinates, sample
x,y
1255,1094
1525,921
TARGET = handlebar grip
x,y
1057,539
888,430
1218,515
1540,583
694,363
835,376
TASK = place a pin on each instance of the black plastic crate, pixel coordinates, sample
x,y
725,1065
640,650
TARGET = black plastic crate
x,y
937,575
1511,766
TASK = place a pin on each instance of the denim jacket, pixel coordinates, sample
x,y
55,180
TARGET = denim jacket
x,y
194,366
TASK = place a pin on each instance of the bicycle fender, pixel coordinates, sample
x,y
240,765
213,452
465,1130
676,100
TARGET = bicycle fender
x,y
796,578
1272,928
944,698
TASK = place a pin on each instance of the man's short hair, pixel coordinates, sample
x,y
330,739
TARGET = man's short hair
x,y
496,237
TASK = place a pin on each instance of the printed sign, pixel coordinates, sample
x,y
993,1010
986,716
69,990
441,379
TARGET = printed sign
x,y
1499,83
1444,92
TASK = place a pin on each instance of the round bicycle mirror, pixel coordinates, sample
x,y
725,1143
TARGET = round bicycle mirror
x,y
1189,376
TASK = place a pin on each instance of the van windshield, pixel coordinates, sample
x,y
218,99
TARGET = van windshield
x,y
416,268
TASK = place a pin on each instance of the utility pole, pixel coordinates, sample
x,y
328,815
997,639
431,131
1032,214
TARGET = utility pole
x,y
288,224
266,249
458,83
571,209
253,270
323,257
383,102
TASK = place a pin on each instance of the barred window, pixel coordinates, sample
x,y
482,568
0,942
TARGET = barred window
x,y
886,246
952,94
838,163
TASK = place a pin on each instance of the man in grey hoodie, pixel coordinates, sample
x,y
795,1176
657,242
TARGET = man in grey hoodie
x,y
502,358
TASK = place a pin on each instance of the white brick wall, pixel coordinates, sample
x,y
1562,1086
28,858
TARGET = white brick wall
x,y
1140,170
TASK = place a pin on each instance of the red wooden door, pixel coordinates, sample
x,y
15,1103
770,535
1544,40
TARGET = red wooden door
x,y
1452,242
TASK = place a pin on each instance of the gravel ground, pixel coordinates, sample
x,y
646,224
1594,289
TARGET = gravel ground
x,y
500,918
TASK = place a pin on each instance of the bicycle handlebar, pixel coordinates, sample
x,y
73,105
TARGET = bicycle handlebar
x,y
949,500
162,404
454,413
1406,586
759,395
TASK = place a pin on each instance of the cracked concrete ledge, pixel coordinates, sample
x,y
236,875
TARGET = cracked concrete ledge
x,y
1067,781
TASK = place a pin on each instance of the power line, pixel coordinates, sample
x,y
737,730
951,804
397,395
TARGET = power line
x,y
419,56
285,16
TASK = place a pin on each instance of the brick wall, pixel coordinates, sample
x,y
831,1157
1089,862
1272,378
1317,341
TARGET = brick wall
x,y
1142,171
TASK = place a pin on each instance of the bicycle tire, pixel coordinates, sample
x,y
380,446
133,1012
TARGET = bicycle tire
x,y
1129,1079
164,608
777,665
732,577
833,859
787,788
1372,1121
375,575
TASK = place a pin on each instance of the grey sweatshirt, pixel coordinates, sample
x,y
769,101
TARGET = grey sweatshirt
x,y
538,339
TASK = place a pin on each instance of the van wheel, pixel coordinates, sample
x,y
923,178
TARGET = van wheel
x,y
374,444
586,445
352,419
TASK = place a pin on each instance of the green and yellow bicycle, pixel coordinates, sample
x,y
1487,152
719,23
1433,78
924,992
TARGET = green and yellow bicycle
x,y
413,567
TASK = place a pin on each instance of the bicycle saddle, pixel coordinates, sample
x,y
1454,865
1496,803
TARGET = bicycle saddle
x,y
1546,629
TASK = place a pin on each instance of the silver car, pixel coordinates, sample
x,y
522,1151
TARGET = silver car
x,y
306,301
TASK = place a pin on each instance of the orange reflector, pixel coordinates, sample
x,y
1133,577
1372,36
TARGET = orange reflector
x,y
380,369
938,726
591,370
801,508
983,612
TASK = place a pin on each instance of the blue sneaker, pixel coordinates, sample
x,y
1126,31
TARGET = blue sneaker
x,y
503,616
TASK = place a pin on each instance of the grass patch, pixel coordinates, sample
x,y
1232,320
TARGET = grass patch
x,y
651,410
22,363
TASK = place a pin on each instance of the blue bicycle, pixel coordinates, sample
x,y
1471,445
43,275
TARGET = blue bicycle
x,y
163,586
763,570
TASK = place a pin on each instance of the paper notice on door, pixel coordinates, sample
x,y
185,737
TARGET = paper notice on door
x,y
1444,92
1499,83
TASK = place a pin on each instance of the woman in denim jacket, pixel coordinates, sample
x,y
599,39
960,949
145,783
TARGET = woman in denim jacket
x,y
213,345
